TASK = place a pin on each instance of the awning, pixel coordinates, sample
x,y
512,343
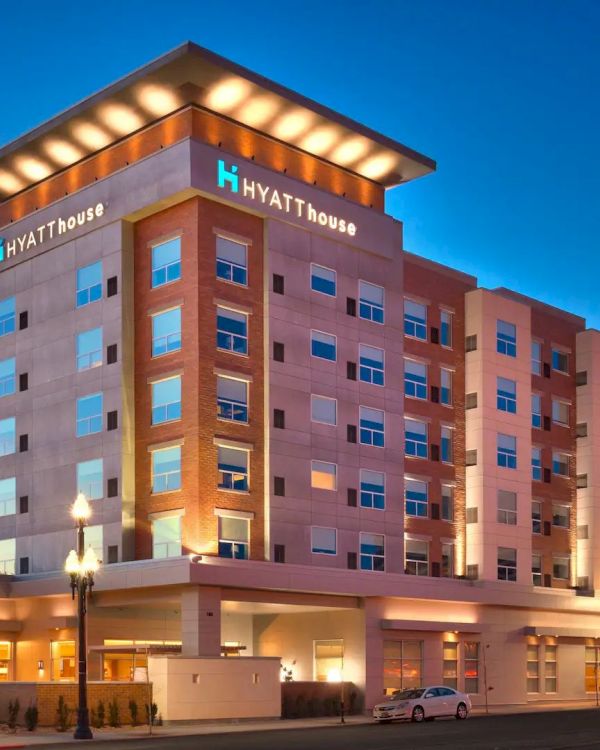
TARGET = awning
x,y
433,626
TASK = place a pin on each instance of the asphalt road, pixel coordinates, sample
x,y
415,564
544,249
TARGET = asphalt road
x,y
559,730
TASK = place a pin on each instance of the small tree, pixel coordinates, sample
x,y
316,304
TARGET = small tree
x,y
114,719
151,713
101,715
13,714
63,715
31,717
133,712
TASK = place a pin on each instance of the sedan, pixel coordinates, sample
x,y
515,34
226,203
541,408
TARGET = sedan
x,y
421,704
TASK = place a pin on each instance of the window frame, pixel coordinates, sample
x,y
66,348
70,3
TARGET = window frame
x,y
416,323
375,310
375,558
314,266
153,247
317,396
236,475
165,405
370,491
370,435
413,385
89,419
232,337
313,341
327,553
168,350
229,263
240,407
375,375
154,474
92,290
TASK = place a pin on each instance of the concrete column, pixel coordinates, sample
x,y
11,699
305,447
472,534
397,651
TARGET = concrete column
x,y
373,653
201,621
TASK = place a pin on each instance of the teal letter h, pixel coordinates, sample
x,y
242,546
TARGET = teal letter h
x,y
228,176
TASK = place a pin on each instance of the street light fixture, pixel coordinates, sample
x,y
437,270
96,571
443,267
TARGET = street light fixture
x,y
81,564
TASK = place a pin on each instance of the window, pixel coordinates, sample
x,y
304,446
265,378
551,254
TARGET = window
x,y
447,435
323,541
6,656
234,539
323,410
233,468
372,551
506,395
415,320
450,666
323,345
507,451
232,261
232,331
507,507
533,668
446,387
471,665
166,400
592,665
402,665
416,558
166,262
232,399
536,464
322,280
561,567
447,569
371,364
507,564
560,464
89,349
372,429
89,415
94,538
560,361
166,469
446,328
536,569
370,302
323,475
372,489
415,496
415,379
415,438
550,668
536,517
8,496
561,516
166,332
536,357
506,338
166,537
536,411
7,316
7,377
62,666
90,478
329,660
447,502
89,284
560,412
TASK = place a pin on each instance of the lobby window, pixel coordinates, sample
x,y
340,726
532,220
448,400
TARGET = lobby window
x,y
592,667
446,387
415,320
234,537
415,498
371,364
561,515
323,541
507,507
166,469
415,379
232,399
7,436
416,557
507,451
447,568
62,661
560,464
323,475
166,537
166,400
533,668
506,395
7,377
447,502
450,665
372,489
536,411
89,284
536,464
506,338
371,302
507,564
560,412
536,569
166,332
232,261
536,517
446,445
6,657
323,345
550,668
415,438
7,316
322,280
446,318
233,468
89,349
328,660
471,666
323,410
372,426
90,478
536,357
372,551
8,496
89,415
560,361
232,331
402,665
166,262
561,567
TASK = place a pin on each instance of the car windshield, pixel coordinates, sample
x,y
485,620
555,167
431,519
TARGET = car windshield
x,y
406,695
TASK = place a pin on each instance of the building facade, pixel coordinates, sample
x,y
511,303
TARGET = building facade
x,y
300,441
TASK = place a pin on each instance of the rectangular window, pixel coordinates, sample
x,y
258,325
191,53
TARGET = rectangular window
x,y
372,489
89,349
323,475
8,496
446,387
7,436
233,468
7,316
166,400
371,364
447,569
234,538
166,469
232,399
323,541
507,451
536,411
506,395
322,280
416,558
94,538
536,357
533,668
536,464
402,665
323,410
536,517
415,379
415,498
7,377
560,412
561,567
323,345
592,666
372,551
560,464
166,537
561,516
372,427
232,261
446,447
62,662
507,564
446,328
415,320
550,668
89,415
560,361
450,666
89,284
471,666
506,338
90,478
447,502
507,507
371,302
232,331
166,262
166,332
328,660
415,438
536,569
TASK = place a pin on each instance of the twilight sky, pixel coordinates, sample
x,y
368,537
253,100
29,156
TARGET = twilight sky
x,y
503,94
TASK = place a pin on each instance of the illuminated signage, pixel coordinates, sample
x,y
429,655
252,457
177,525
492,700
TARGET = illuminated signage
x,y
228,177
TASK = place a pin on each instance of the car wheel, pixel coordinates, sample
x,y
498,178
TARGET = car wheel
x,y
461,711
418,714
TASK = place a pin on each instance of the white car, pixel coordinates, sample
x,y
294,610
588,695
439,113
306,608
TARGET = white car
x,y
420,704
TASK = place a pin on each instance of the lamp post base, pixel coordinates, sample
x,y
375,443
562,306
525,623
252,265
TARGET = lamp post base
x,y
82,730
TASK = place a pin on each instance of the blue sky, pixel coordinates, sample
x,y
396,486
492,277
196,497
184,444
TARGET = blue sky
x,y
502,93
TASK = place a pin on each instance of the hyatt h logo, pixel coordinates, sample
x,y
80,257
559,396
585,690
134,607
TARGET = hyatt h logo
x,y
230,176
1,249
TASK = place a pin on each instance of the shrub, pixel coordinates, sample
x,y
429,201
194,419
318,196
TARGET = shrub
x,y
151,713
300,711
63,715
31,718
101,715
13,714
114,719
160,720
133,712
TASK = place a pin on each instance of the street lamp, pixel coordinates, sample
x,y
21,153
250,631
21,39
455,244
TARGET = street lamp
x,y
81,564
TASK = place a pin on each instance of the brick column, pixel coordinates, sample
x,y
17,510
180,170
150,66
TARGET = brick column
x,y
201,621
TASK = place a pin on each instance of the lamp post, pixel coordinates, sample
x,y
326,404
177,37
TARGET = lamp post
x,y
81,566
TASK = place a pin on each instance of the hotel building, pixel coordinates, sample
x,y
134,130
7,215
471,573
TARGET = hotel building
x,y
303,445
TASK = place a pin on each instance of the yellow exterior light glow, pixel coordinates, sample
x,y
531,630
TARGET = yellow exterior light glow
x,y
91,136
156,99
62,152
120,118
334,675
320,140
226,95
258,110
81,509
9,183
72,566
32,168
292,125
350,151
90,563
377,166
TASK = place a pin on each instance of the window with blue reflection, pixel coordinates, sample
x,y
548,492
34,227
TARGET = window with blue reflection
x,y
536,411
166,262
89,284
232,399
166,400
415,319
166,332
7,316
8,496
415,498
89,349
506,395
323,541
7,436
166,469
446,440
89,414
232,331
7,376
372,430
234,537
446,328
232,261
536,464
415,379
371,364
372,551
506,338
323,345
415,438
371,302
507,451
90,479
233,468
446,387
372,489
322,280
